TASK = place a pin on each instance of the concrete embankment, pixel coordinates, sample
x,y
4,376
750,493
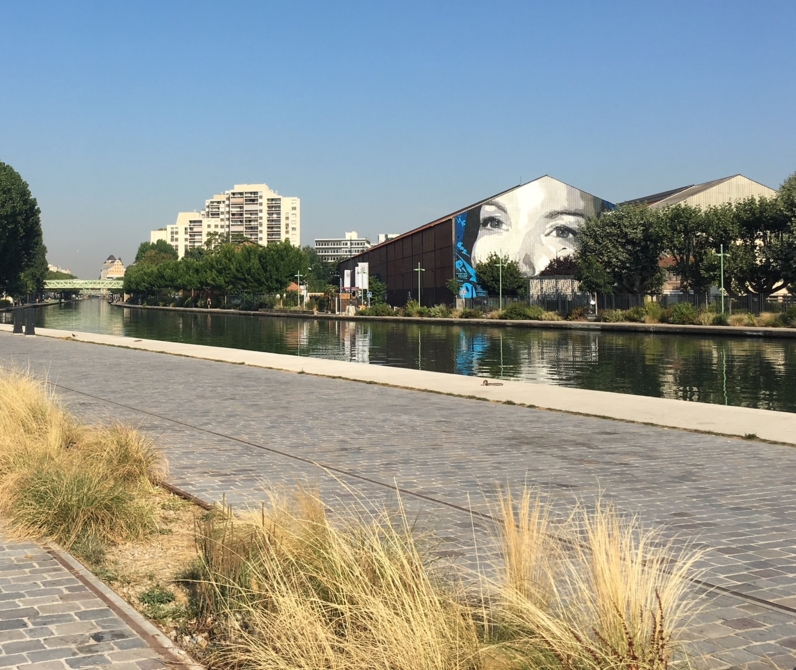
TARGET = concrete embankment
x,y
598,326
719,419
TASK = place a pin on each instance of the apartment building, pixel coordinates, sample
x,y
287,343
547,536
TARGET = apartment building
x,y
252,211
112,268
335,249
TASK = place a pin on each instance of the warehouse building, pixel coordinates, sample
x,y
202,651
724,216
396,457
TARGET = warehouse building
x,y
532,223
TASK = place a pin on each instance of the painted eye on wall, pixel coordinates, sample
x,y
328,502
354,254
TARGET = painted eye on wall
x,y
564,233
494,223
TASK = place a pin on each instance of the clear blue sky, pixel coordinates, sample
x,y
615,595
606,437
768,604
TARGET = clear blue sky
x,y
379,116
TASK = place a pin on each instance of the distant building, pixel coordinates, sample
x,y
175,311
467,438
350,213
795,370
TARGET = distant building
x,y
532,224
55,268
251,211
335,249
112,268
383,237
710,193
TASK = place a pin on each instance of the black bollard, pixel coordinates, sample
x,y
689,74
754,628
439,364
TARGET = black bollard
x,y
30,321
18,320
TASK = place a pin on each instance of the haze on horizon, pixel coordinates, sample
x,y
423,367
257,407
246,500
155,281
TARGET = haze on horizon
x,y
380,117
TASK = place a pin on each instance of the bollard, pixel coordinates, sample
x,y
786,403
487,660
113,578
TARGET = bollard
x,y
18,320
30,321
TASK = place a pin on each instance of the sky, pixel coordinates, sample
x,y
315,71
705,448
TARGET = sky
x,y
379,116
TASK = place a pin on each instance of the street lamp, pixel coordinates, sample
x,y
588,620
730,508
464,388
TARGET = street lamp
x,y
419,270
721,256
298,288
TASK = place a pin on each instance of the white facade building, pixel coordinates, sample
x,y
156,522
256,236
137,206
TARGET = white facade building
x,y
334,249
251,211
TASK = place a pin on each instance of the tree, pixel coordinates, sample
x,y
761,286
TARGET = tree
x,y
21,246
692,238
379,290
762,259
54,274
787,196
154,253
489,275
320,273
620,251
563,266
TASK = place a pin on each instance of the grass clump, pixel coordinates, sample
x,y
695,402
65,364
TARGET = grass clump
x,y
519,311
380,309
287,589
594,591
81,486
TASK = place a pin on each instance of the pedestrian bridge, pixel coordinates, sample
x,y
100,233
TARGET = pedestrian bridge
x,y
82,284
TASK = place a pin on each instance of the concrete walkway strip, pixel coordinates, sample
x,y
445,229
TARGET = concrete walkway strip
x,y
703,417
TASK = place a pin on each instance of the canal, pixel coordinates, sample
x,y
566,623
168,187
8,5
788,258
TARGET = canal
x,y
727,371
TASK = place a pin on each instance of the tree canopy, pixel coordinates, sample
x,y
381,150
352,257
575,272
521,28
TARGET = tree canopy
x,y
22,250
489,274
155,253
620,251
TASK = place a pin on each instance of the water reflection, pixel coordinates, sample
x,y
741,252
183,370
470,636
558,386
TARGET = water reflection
x,y
742,372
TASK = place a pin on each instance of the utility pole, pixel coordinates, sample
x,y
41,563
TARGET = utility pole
x,y
721,256
500,275
418,269
298,292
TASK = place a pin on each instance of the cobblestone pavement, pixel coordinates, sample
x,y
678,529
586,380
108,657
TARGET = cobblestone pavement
x,y
236,431
49,620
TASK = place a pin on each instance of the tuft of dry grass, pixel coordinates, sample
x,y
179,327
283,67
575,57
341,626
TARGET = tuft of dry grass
x,y
288,589
605,592
75,484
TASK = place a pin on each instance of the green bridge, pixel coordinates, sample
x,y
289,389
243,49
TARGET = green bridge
x,y
83,284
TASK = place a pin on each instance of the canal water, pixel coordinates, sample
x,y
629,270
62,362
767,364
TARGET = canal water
x,y
726,371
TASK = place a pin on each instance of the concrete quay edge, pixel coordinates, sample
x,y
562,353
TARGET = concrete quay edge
x,y
591,326
685,415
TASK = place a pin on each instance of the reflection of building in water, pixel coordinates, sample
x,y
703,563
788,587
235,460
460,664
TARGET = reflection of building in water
x,y
356,340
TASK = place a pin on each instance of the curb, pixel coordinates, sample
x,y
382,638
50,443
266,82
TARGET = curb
x,y
171,654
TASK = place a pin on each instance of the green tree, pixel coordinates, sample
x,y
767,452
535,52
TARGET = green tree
x,y
379,290
54,274
620,251
563,266
489,275
154,253
692,238
21,245
762,259
320,273
32,278
787,196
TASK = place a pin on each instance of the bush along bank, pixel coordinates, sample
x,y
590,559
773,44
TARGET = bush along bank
x,y
298,585
685,314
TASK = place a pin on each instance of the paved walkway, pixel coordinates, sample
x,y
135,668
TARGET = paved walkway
x,y
50,620
236,430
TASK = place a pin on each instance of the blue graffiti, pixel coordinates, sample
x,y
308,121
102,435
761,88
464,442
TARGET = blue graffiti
x,y
465,272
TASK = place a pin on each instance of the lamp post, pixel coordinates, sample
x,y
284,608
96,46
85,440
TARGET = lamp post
x,y
500,282
419,270
298,288
721,256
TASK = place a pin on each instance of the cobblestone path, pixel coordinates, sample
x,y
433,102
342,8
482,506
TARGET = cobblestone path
x,y
49,620
235,431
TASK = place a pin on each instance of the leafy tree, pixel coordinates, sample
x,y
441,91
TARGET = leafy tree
x,y
21,246
320,273
489,275
32,278
563,266
54,274
692,237
762,259
787,196
154,253
379,290
621,251
454,286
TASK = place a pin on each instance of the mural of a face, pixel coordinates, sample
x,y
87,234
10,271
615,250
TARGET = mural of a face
x,y
533,223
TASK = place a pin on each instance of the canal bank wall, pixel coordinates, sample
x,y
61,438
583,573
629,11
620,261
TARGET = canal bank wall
x,y
725,420
590,326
